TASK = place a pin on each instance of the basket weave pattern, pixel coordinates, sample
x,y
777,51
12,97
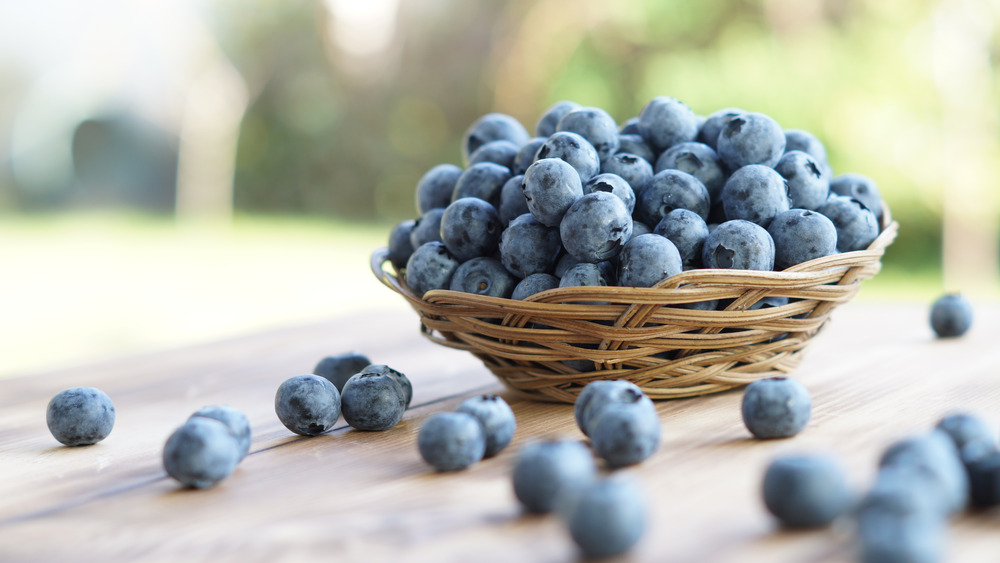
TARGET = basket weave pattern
x,y
553,343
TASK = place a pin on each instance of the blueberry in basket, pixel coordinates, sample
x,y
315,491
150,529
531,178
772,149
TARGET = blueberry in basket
x,y
732,191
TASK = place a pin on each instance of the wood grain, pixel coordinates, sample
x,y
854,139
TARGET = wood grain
x,y
875,372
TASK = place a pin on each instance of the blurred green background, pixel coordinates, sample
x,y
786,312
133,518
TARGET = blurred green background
x,y
177,171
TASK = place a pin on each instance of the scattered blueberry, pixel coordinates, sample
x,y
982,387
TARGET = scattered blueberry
x,y
546,471
341,367
608,517
597,395
373,400
963,428
984,480
625,432
776,407
451,441
201,453
496,417
235,421
80,416
935,456
307,404
951,316
806,491
404,382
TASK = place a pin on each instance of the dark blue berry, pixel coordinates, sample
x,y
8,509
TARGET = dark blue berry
x,y
80,416
451,441
776,407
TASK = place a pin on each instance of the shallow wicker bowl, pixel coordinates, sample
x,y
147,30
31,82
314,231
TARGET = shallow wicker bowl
x,y
550,345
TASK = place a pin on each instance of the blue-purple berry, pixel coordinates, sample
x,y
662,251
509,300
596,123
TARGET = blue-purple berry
x,y
80,416
236,422
308,405
496,417
546,473
776,407
806,490
951,316
451,441
201,453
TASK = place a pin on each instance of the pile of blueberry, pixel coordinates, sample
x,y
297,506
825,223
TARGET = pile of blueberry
x,y
921,481
586,203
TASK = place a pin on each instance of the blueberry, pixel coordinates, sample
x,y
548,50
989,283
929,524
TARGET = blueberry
x,y
856,226
451,441
535,283
951,315
646,260
751,138
963,428
897,520
498,152
776,407
595,125
635,145
550,187
698,160
640,228
755,193
435,187
547,123
613,184
483,276
400,243
668,190
625,433
800,235
902,491
688,231
799,140
307,404
630,167
483,180
664,122
806,491
496,417
861,188
808,186
597,395
373,400
80,416
984,480
608,518
201,453
526,156
470,227
512,202
430,267
529,247
935,456
236,422
630,126
713,125
595,227
546,471
739,245
427,228
341,367
574,150
492,127
583,274
404,382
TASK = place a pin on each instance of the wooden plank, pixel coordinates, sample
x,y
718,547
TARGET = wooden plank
x,y
876,374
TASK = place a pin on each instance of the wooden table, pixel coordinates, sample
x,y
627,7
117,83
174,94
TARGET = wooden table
x,y
876,374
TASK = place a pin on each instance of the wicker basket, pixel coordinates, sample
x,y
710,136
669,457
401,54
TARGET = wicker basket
x,y
536,346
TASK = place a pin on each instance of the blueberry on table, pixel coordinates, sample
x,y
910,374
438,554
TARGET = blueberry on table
x,y
307,404
201,453
898,520
436,186
964,428
776,407
235,421
951,316
450,441
497,420
608,518
80,416
546,474
597,395
984,480
399,377
341,367
625,433
935,458
806,491
373,400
